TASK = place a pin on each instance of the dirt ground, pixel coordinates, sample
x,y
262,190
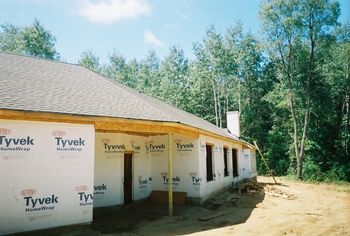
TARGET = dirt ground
x,y
315,209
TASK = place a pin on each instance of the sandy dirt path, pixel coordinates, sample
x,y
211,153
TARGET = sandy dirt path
x,y
317,209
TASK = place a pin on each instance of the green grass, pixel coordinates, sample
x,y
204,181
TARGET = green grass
x,y
341,186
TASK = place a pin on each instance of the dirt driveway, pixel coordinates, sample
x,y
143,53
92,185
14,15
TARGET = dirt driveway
x,y
317,209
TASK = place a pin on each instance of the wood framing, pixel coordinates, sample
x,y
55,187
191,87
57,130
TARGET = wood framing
x,y
112,124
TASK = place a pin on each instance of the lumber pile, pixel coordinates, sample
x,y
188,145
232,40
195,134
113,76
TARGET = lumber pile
x,y
250,186
275,192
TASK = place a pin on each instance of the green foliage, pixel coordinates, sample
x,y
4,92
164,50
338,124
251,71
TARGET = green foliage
x,y
277,152
337,173
292,89
9,38
174,86
32,40
236,71
312,171
299,33
90,61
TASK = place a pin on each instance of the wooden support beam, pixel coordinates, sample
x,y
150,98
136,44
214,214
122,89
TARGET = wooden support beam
x,y
267,166
170,174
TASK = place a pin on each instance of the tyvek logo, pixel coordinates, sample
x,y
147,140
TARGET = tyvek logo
x,y
187,147
135,147
14,143
65,144
69,142
143,182
156,147
165,178
112,148
196,180
34,204
85,199
100,189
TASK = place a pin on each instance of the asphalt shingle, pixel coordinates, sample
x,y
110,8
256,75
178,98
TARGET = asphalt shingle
x,y
31,84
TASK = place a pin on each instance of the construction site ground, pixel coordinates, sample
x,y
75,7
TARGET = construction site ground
x,y
288,208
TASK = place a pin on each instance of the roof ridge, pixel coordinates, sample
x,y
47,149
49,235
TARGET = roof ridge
x,y
41,59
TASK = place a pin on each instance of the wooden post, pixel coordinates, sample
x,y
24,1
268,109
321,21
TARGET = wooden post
x,y
267,166
170,176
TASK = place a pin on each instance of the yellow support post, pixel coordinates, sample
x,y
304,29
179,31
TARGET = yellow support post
x,y
170,176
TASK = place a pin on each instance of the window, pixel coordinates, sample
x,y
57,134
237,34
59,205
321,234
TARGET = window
x,y
225,162
234,163
209,161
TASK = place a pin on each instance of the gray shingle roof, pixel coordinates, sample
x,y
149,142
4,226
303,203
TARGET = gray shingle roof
x,y
31,84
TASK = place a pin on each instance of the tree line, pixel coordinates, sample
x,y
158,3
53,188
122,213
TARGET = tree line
x,y
291,84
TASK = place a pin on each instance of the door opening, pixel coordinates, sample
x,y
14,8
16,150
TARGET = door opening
x,y
209,161
226,173
127,178
234,163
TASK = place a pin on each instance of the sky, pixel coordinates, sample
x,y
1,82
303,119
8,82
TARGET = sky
x,y
134,27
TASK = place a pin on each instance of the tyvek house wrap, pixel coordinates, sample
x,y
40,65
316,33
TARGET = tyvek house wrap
x,y
46,175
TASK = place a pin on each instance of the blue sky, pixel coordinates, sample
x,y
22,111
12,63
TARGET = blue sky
x,y
133,27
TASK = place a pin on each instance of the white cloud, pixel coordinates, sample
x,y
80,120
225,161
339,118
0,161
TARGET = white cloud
x,y
152,39
109,11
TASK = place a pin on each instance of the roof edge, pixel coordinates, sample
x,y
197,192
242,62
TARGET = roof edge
x,y
103,123
43,59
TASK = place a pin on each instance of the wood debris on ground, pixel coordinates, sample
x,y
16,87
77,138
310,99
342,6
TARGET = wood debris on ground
x,y
227,202
251,186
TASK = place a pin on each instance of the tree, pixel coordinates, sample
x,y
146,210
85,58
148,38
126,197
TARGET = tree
x,y
295,29
174,78
90,61
213,68
118,70
336,69
148,79
36,41
31,41
9,37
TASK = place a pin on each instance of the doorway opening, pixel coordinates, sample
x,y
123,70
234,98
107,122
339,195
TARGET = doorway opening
x,y
234,163
127,178
209,162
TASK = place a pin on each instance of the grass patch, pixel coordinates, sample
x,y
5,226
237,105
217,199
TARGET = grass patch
x,y
343,189
340,186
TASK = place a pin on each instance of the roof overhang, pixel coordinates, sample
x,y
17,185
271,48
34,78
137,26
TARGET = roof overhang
x,y
117,125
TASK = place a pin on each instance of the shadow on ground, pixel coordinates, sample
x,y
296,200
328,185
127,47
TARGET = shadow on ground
x,y
151,219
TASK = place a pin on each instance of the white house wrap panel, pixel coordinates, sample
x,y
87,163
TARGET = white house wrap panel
x,y
46,174
109,168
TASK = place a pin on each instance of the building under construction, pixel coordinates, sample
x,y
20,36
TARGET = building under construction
x,y
71,140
